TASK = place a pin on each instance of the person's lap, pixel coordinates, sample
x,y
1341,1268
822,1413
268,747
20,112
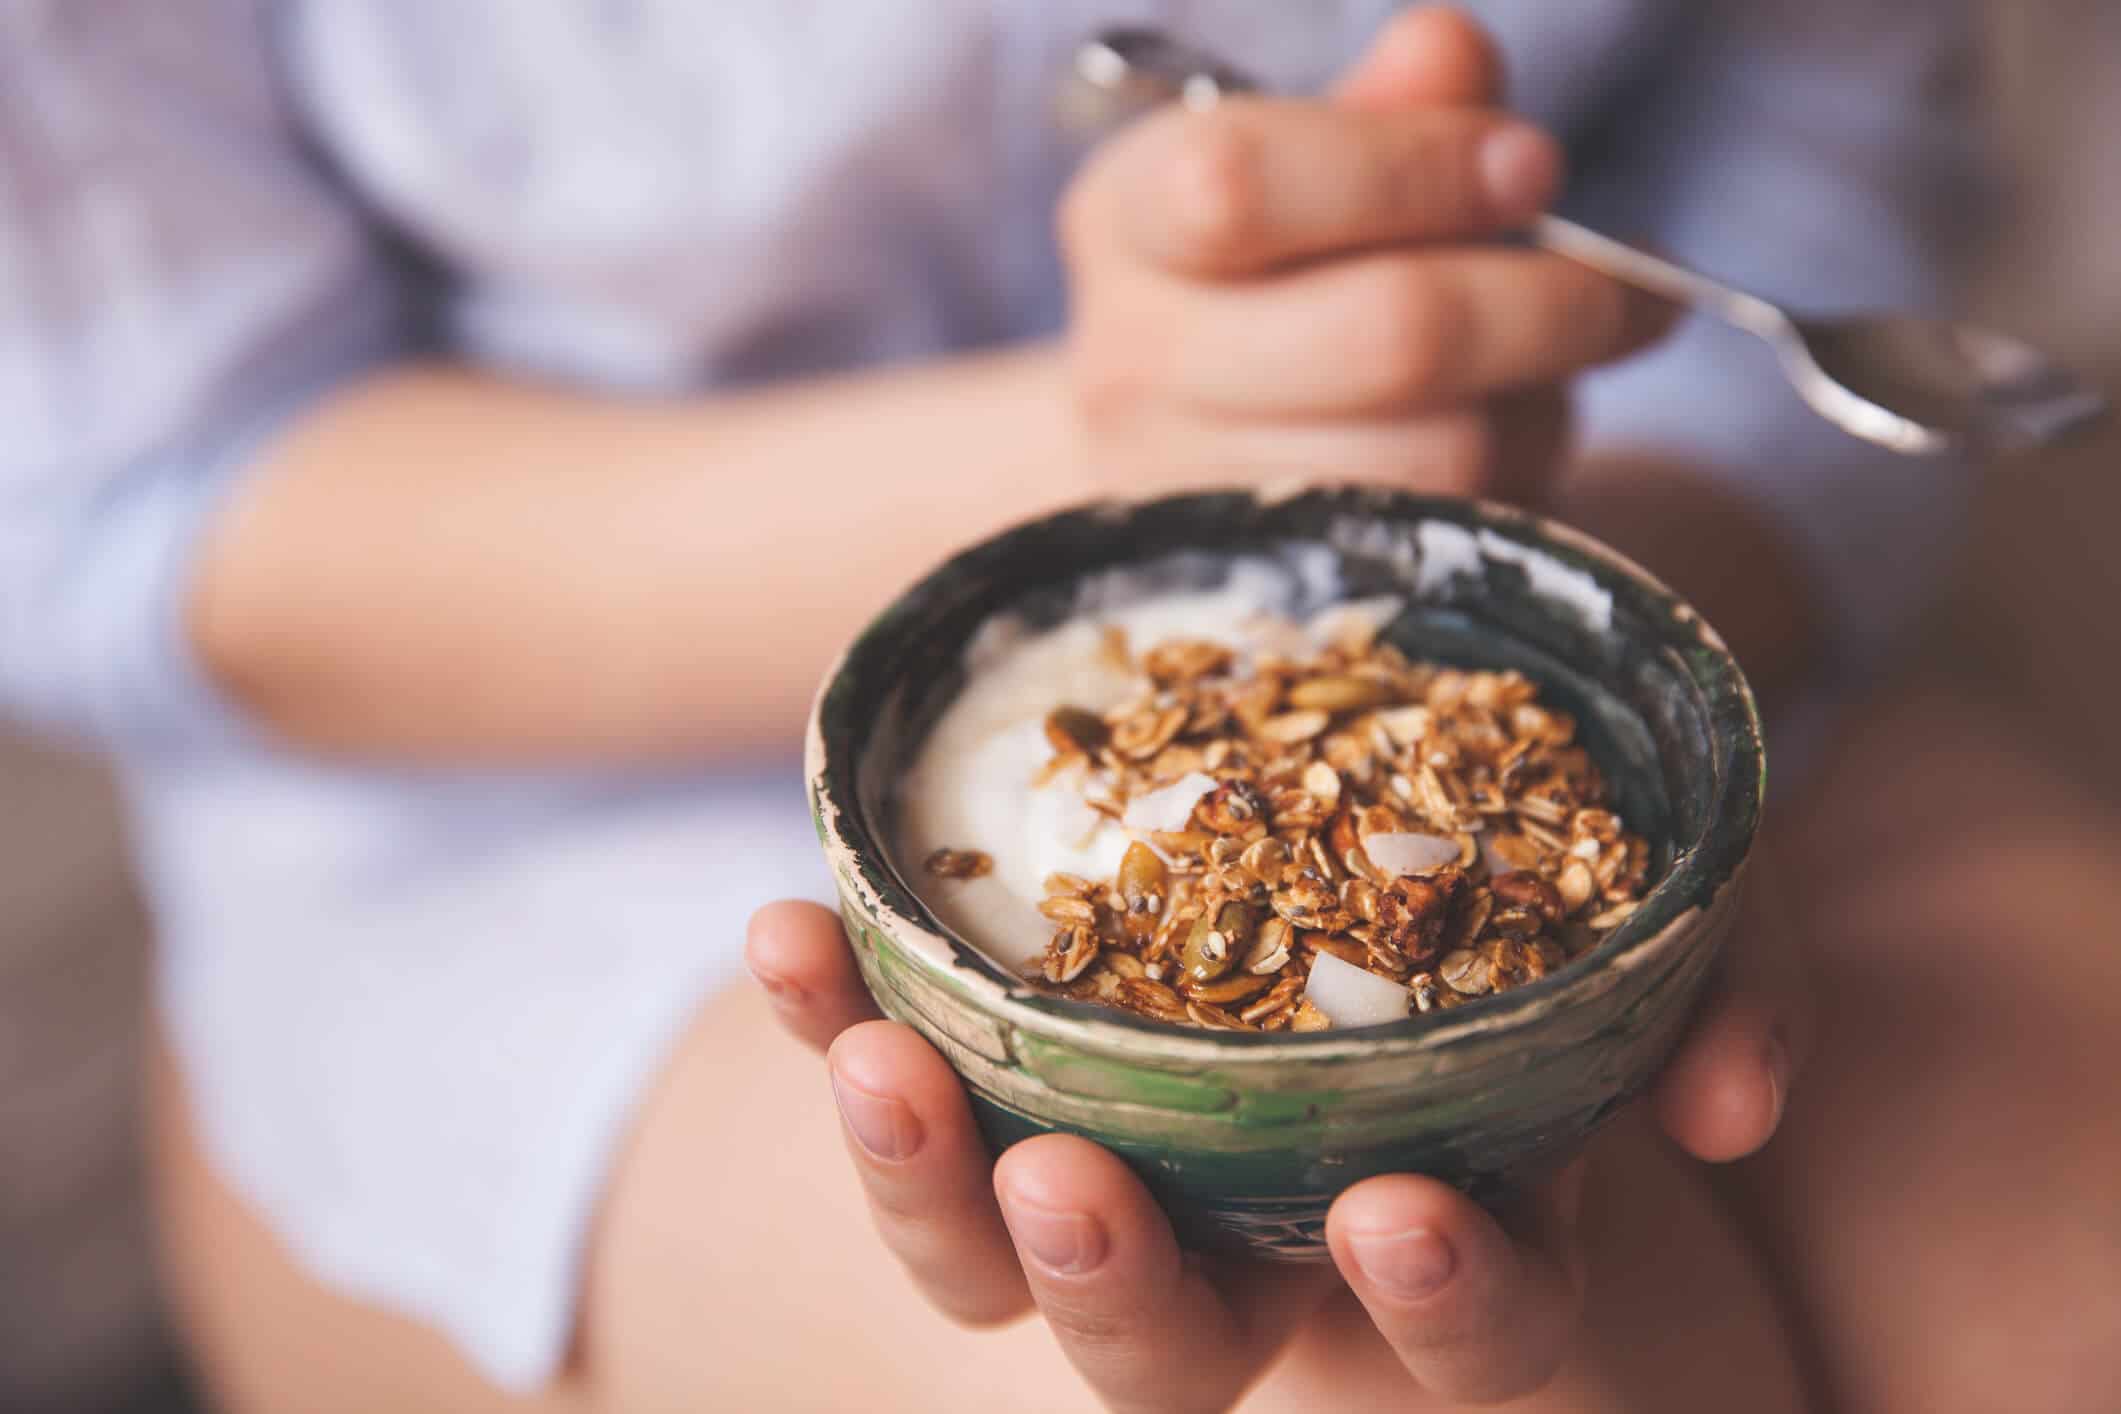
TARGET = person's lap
x,y
1944,1203
733,1267
1933,1212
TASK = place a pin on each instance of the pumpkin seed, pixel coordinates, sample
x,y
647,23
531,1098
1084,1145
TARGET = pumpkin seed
x,y
1217,940
1234,988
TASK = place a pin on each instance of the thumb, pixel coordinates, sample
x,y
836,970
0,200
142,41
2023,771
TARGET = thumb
x,y
1431,56
1477,1312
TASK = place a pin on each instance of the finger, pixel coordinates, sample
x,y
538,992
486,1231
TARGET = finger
x,y
1146,1327
925,1170
1722,1096
1255,184
799,954
1432,55
1474,1313
1723,1093
1388,333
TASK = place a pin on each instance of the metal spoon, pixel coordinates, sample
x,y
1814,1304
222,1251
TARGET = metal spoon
x,y
1914,385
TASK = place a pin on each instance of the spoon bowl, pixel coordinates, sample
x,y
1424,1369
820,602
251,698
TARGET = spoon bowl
x,y
1947,385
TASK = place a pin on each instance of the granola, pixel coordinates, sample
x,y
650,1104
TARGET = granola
x,y
1439,828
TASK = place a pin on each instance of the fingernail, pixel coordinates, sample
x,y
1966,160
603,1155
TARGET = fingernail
x,y
1067,1243
1778,1069
1521,167
1407,1265
886,1128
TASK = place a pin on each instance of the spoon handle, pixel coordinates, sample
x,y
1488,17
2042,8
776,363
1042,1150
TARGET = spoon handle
x,y
1638,267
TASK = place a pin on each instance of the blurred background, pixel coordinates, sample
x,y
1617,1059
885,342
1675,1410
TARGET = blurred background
x,y
79,1324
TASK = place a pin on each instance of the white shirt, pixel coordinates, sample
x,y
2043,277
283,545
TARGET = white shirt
x,y
415,1007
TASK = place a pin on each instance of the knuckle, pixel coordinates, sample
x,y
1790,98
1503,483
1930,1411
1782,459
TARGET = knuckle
x,y
1218,189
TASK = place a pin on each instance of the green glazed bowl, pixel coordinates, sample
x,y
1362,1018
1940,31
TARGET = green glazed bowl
x,y
1246,1138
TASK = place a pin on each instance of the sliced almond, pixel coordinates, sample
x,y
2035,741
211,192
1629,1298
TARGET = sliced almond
x,y
1322,783
1289,728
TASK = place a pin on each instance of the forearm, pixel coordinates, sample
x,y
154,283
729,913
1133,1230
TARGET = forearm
x,y
439,564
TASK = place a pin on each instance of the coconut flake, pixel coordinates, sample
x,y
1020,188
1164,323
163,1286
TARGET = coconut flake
x,y
1409,853
1353,996
1170,807
1353,617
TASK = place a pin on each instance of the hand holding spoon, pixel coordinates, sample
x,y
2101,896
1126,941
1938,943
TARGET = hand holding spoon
x,y
1914,385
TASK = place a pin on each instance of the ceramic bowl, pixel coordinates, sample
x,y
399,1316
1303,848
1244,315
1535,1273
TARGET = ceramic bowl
x,y
1246,1138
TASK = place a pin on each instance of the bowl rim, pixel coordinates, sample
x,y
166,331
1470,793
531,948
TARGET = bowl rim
x,y
1701,874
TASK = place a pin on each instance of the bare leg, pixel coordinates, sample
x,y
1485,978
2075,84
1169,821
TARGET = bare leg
x,y
734,1268
1945,1199
264,1336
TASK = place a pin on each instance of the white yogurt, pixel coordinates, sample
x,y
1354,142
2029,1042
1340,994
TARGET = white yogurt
x,y
972,786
